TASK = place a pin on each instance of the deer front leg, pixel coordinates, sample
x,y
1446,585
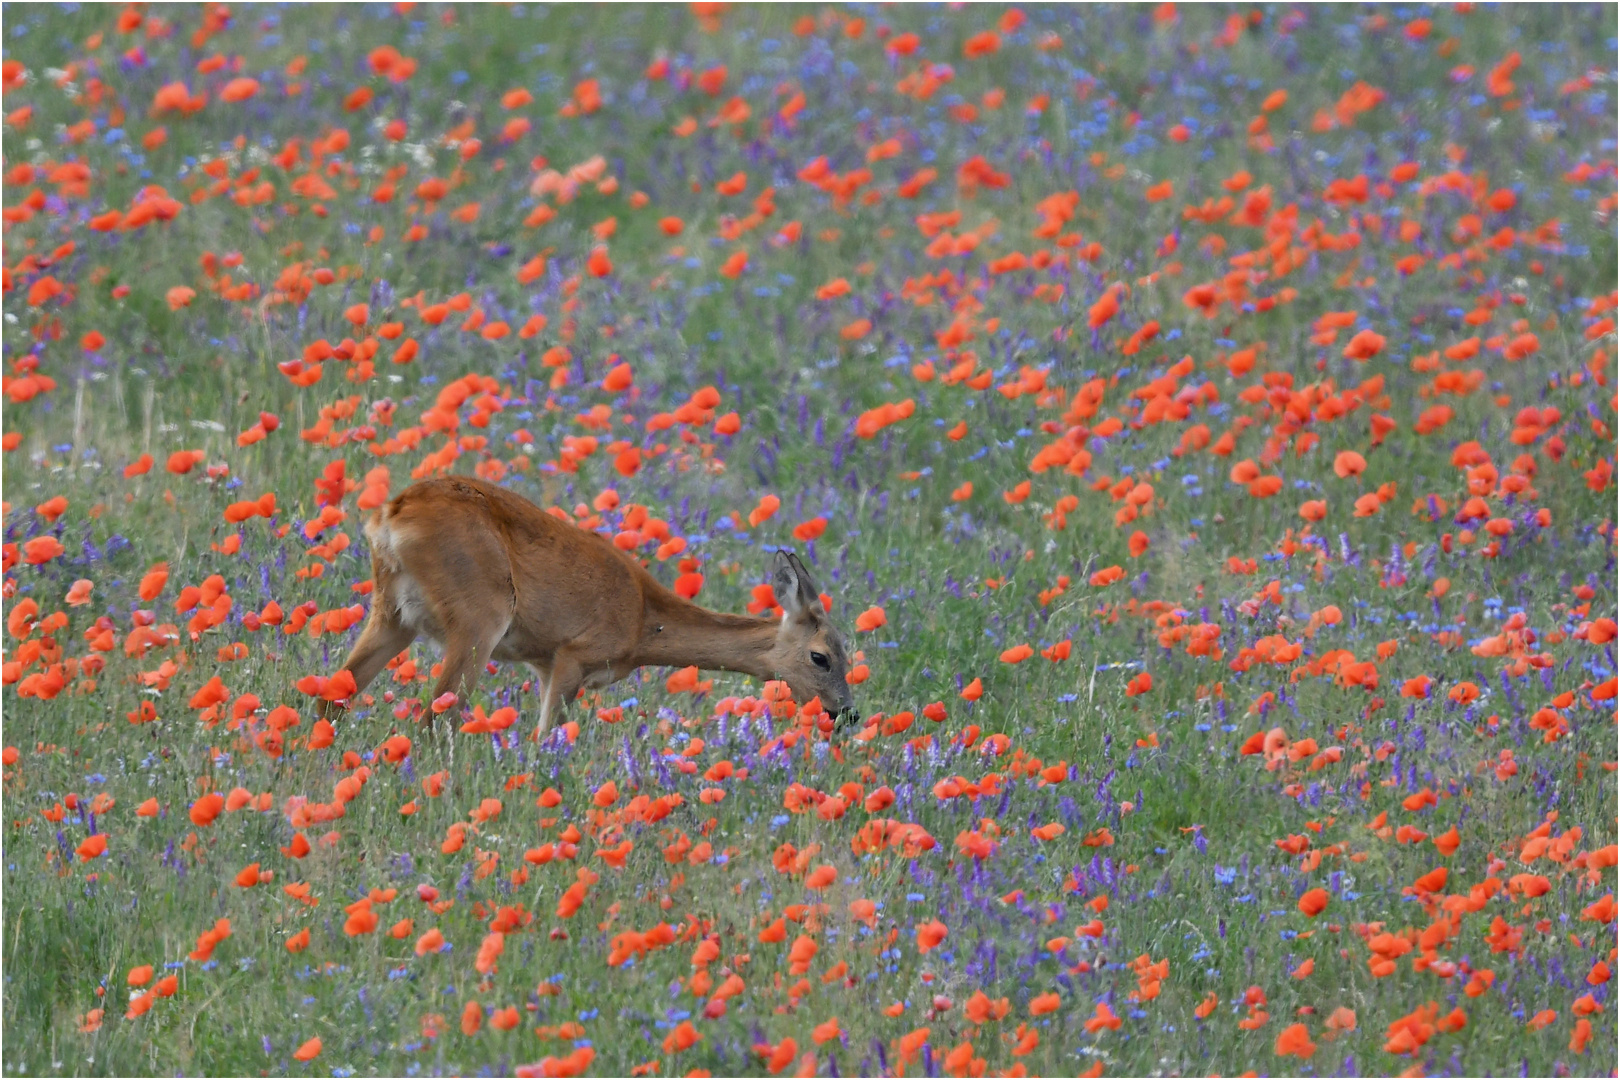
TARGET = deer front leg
x,y
563,684
542,687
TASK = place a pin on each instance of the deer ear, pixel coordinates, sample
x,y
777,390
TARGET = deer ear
x,y
785,582
809,594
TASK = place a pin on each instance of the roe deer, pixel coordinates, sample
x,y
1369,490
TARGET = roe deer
x,y
489,575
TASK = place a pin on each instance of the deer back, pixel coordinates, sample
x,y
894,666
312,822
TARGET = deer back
x,y
479,553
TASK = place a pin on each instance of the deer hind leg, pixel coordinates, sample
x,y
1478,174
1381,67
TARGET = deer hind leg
x,y
457,592
383,638
465,655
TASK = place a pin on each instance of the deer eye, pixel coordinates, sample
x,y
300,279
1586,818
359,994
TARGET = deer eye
x,y
820,660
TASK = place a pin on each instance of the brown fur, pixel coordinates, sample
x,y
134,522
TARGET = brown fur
x,y
489,575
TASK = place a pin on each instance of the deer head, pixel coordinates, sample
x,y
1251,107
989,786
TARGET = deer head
x,y
809,652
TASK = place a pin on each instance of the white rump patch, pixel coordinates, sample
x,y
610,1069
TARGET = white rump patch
x,y
411,602
381,537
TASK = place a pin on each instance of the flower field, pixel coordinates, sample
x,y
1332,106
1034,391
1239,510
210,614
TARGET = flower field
x,y
1200,422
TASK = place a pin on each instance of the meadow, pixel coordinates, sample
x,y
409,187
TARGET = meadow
x,y
1200,420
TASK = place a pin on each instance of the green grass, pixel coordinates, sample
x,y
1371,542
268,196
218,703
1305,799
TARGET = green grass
x,y
1207,888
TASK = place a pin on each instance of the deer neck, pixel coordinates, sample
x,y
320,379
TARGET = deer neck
x,y
681,634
